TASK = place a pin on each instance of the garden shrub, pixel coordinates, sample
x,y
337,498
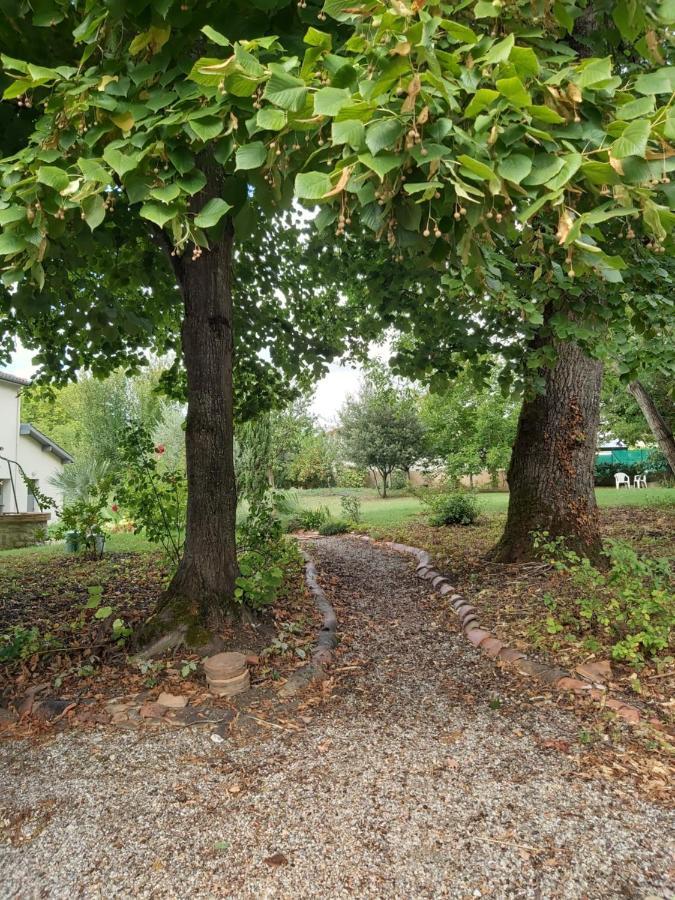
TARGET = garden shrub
x,y
451,508
263,555
398,480
308,519
351,478
631,606
334,526
351,508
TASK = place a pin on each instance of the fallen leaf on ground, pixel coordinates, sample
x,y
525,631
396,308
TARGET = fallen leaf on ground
x,y
277,859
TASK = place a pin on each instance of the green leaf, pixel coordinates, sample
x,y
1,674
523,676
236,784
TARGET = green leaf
x,y
207,128
527,212
500,51
216,36
660,82
328,101
93,170
271,119
251,156
181,159
94,210
459,33
159,213
312,185
12,214
545,114
351,132
316,38
483,98
383,134
641,107
477,167
484,10
514,90
193,182
525,60
571,164
594,72
515,167
212,212
11,243
53,177
544,167
103,613
120,162
381,165
633,140
284,90
166,193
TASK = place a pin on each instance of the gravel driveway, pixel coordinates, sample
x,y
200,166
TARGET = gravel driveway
x,y
423,774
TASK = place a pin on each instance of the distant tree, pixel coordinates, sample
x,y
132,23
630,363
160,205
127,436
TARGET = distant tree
x,y
315,462
89,416
381,429
471,427
253,453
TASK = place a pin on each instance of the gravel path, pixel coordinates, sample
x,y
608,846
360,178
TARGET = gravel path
x,y
421,775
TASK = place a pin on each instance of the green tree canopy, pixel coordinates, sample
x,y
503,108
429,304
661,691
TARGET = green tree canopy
x,y
381,429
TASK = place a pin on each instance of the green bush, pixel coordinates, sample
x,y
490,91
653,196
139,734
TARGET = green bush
x,y
334,526
350,478
631,605
398,480
308,519
351,508
457,508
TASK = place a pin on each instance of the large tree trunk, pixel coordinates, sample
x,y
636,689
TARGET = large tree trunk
x,y
200,596
551,473
663,434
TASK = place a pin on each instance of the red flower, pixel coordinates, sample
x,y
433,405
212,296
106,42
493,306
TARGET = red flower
x,y
160,448
114,507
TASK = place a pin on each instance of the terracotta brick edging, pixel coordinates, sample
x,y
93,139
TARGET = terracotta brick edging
x,y
485,641
322,652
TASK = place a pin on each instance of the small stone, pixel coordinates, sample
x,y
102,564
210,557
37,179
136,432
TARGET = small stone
x,y
152,711
630,714
51,708
570,684
172,701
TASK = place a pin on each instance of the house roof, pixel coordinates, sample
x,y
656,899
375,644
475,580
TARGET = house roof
x,y
47,444
13,379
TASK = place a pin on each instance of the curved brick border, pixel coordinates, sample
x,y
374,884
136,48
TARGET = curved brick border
x,y
486,642
322,653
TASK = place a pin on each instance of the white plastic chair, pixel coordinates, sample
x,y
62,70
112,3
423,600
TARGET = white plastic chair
x,y
640,481
621,478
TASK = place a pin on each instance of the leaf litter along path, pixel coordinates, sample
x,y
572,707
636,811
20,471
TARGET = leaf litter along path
x,y
420,774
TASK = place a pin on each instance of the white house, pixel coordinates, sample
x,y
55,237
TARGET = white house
x,y
21,443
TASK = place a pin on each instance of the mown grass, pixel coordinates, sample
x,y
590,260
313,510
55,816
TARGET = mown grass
x,y
399,508
376,513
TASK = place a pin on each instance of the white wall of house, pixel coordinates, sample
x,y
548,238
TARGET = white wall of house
x,y
42,466
38,462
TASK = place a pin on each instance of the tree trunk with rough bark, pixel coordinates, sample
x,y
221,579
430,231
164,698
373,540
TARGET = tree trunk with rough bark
x,y
663,434
200,596
550,478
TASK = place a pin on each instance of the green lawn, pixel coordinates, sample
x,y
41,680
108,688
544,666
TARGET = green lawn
x,y
396,509
375,512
